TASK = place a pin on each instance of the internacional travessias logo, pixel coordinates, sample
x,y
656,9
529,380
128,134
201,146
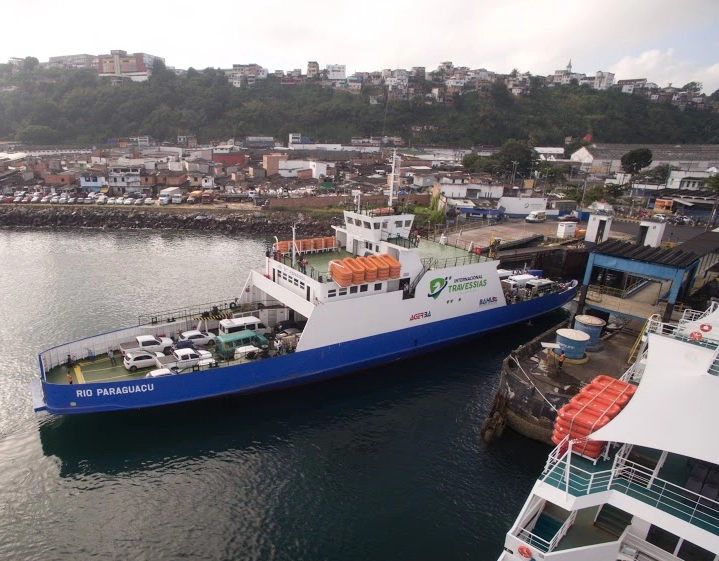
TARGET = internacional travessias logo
x,y
437,285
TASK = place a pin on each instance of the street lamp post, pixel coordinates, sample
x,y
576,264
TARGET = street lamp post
x,y
514,170
584,192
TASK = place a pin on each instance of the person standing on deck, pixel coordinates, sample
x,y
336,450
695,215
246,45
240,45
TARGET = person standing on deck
x,y
111,355
561,361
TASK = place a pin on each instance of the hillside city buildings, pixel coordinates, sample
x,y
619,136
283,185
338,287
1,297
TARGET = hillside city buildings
x,y
437,86
260,170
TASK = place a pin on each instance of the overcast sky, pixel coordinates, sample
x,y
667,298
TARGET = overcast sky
x,y
661,40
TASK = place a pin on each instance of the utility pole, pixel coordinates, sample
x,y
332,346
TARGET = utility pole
x,y
514,170
584,192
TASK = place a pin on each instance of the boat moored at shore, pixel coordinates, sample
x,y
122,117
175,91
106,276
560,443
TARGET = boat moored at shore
x,y
368,295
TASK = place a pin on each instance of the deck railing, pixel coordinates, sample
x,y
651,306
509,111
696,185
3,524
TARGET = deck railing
x,y
637,481
694,315
534,540
680,332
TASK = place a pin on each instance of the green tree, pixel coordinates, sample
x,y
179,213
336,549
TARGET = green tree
x,y
615,190
693,87
637,159
661,172
37,134
30,63
514,151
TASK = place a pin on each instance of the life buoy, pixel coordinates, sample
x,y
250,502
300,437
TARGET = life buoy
x,y
695,336
524,552
705,327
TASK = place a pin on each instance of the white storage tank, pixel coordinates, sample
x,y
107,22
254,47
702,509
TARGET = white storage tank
x,y
592,326
573,342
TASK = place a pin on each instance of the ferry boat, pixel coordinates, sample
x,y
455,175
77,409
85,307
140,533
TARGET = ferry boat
x,y
636,474
372,293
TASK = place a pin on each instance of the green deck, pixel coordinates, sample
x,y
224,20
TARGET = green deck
x,y
100,370
318,263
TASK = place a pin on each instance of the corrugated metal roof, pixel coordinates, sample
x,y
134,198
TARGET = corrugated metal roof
x,y
660,152
678,257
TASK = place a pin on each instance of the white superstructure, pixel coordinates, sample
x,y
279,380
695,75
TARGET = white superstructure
x,y
652,494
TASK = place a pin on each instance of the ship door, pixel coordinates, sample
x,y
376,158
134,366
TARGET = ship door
x,y
642,237
308,292
356,246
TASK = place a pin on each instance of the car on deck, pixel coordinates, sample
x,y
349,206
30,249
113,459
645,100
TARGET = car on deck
x,y
202,338
134,361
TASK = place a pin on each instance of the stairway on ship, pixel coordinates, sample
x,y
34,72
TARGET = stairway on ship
x,y
612,520
545,529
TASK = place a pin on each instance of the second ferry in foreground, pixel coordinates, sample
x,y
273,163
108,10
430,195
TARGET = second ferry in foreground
x,y
369,295
635,474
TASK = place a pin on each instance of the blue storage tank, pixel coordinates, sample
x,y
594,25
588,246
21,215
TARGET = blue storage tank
x,y
592,326
573,342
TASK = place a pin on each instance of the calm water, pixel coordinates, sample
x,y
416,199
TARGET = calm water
x,y
383,465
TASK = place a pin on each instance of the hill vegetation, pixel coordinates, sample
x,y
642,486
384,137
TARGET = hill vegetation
x,y
76,106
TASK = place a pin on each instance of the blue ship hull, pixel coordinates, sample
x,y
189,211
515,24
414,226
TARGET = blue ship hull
x,y
294,369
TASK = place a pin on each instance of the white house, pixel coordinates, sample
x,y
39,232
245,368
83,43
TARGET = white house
x,y
336,72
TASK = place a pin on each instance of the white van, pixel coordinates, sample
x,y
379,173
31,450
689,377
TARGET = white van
x,y
536,216
234,325
164,200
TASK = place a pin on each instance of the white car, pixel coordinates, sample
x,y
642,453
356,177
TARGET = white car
x,y
110,201
160,372
148,201
128,201
36,199
197,337
46,199
55,200
63,199
89,200
132,361
101,200
139,202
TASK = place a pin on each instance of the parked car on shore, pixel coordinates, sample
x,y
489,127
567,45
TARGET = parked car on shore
x,y
36,199
659,217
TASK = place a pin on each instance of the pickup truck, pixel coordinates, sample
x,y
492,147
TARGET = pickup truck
x,y
147,343
180,359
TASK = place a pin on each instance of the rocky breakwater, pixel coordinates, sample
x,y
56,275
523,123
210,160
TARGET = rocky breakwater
x,y
219,220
